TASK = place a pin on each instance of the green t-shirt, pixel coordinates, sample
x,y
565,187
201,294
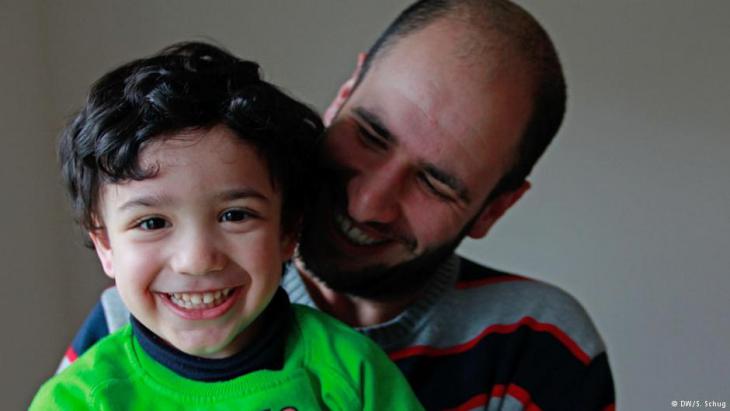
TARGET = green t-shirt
x,y
327,365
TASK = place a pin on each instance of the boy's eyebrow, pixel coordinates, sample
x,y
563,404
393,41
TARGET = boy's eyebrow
x,y
161,200
239,193
145,201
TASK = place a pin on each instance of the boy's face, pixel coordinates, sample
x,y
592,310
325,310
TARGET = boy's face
x,y
196,250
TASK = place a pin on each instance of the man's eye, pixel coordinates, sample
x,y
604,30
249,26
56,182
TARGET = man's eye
x,y
371,140
436,187
154,223
234,215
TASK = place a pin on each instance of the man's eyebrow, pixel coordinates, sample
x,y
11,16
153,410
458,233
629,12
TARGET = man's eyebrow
x,y
373,120
448,180
375,123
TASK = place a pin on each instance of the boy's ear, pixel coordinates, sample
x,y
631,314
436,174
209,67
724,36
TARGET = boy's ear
x,y
496,209
103,249
344,93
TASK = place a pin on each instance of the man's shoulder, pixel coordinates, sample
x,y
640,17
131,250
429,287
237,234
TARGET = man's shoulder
x,y
491,301
530,339
514,291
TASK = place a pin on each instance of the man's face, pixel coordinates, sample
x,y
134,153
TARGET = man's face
x,y
196,250
408,163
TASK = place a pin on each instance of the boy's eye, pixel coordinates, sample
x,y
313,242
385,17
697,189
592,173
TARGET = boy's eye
x,y
154,223
234,215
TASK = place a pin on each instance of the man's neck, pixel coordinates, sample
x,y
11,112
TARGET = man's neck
x,y
353,311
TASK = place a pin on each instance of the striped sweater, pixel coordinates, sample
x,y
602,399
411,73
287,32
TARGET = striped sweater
x,y
477,339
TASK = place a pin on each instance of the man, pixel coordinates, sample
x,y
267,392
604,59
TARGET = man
x,y
430,141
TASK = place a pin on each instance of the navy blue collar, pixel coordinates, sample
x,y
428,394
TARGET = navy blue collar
x,y
266,351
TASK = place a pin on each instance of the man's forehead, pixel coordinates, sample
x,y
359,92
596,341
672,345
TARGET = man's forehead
x,y
463,113
419,116
455,148
452,74
437,104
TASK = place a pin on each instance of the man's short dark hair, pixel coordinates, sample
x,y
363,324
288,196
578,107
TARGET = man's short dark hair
x,y
185,86
518,31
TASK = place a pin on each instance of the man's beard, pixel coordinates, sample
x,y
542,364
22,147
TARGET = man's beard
x,y
377,282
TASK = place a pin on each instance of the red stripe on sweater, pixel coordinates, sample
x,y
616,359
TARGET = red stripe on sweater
x,y
70,354
499,391
496,329
490,280
473,402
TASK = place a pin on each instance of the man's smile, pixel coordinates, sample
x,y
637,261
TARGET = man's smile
x,y
349,230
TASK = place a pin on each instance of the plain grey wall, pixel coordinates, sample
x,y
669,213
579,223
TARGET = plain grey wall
x,y
629,209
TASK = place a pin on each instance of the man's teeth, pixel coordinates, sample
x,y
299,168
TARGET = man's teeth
x,y
353,233
200,300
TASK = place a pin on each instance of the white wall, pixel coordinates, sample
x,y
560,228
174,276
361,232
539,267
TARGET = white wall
x,y
36,295
629,210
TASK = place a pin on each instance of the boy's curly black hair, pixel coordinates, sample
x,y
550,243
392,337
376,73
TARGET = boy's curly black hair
x,y
185,86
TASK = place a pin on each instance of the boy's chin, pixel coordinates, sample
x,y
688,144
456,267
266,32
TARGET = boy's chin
x,y
207,351
200,344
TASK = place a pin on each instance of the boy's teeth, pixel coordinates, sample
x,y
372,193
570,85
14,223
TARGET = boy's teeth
x,y
200,300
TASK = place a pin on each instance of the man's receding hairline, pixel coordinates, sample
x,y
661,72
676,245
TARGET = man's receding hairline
x,y
499,55
502,27
517,37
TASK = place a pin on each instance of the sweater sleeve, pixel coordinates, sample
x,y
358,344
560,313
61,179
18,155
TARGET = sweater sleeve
x,y
64,391
53,396
596,392
108,315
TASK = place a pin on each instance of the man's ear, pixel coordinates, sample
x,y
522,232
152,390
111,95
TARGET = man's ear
x,y
344,93
496,209
288,245
103,249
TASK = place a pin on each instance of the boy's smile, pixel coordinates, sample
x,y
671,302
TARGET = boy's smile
x,y
201,306
196,301
196,249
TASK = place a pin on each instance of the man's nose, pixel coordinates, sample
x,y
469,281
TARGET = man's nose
x,y
198,253
374,195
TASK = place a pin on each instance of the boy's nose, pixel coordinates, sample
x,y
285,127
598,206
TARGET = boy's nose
x,y
198,255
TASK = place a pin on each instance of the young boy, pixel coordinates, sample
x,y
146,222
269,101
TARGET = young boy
x,y
190,173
